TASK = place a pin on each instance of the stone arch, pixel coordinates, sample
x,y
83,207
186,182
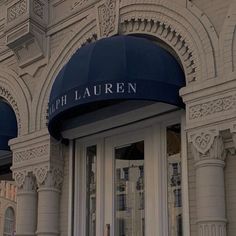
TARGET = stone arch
x,y
15,92
191,43
184,33
228,40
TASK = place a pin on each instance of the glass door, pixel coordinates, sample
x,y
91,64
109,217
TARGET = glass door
x,y
129,183
125,190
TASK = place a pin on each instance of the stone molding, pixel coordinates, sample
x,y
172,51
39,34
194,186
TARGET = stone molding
x,y
207,145
107,18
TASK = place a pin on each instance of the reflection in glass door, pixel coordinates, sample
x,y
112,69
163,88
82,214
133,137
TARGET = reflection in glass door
x,y
129,190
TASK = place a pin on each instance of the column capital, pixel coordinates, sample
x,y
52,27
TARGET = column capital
x,y
207,144
49,177
24,180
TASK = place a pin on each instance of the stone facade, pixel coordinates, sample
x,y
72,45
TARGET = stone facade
x,y
38,37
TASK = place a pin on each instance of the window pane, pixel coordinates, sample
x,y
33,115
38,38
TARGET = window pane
x,y
174,180
129,190
91,153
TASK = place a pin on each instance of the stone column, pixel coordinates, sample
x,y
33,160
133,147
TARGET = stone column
x,y
49,183
209,155
26,204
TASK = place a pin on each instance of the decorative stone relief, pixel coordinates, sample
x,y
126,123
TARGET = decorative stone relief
x,y
108,13
203,140
26,35
41,173
49,177
169,34
19,177
212,107
207,144
31,154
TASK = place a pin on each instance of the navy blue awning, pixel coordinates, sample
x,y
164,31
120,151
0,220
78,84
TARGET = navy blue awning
x,y
8,125
111,70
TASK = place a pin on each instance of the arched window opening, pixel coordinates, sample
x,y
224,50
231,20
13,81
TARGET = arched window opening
x,y
9,222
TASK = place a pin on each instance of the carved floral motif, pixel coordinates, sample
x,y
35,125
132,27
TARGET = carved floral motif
x,y
31,154
107,17
16,10
212,107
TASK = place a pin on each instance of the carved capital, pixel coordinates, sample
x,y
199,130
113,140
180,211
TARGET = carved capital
x,y
107,18
19,177
24,180
207,144
49,177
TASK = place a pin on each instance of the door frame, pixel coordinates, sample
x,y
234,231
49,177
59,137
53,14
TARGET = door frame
x,y
158,124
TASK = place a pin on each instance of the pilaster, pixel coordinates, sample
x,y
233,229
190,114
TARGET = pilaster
x,y
209,154
38,171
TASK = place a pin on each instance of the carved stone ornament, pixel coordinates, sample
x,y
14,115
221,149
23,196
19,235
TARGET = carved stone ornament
x,y
31,154
49,177
108,13
207,144
41,174
212,107
25,31
19,177
203,140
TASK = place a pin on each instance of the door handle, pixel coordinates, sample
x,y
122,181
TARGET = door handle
x,y
107,230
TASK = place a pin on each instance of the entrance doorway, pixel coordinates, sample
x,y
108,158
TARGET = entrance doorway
x,y
128,180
